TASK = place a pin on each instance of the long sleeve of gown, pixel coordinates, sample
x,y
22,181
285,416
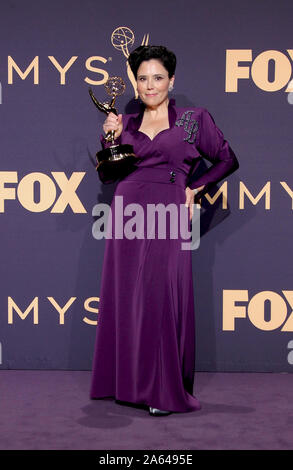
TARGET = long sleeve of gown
x,y
212,146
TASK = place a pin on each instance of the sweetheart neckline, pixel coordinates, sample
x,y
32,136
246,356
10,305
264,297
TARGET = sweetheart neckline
x,y
166,129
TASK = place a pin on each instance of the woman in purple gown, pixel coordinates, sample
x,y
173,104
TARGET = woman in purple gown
x,y
145,344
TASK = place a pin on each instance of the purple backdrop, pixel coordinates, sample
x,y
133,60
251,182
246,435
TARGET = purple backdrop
x,y
234,58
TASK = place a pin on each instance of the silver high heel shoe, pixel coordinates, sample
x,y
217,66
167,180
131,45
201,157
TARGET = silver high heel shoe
x,y
157,412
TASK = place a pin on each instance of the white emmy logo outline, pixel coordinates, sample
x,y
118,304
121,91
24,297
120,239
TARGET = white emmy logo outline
x,y
121,38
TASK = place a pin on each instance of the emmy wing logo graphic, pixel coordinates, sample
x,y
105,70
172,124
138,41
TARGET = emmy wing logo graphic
x,y
121,39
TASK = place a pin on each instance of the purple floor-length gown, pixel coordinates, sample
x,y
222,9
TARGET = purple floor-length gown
x,y
145,344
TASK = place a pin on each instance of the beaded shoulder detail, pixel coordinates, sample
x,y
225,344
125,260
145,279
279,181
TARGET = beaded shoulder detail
x,y
190,126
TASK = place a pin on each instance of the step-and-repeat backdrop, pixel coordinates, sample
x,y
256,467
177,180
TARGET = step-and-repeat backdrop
x,y
234,59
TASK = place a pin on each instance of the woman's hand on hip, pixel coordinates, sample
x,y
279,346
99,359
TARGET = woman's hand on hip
x,y
190,193
113,123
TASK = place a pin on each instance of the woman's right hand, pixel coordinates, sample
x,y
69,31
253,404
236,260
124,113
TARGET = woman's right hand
x,y
113,123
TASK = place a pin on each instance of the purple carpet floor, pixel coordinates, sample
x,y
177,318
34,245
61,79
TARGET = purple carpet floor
x,y
52,410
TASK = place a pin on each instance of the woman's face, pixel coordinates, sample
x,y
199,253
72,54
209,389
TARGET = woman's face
x,y
153,82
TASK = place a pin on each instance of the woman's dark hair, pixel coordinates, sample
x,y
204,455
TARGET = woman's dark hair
x,y
141,53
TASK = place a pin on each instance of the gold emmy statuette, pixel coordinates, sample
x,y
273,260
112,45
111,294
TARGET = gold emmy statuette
x,y
117,160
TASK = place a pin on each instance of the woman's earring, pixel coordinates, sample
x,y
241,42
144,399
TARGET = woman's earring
x,y
171,87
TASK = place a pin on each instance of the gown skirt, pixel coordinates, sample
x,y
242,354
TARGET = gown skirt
x,y
145,342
